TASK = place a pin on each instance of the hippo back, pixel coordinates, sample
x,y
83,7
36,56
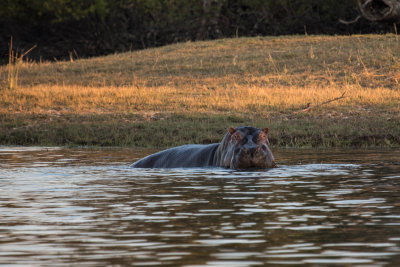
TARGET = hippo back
x,y
180,157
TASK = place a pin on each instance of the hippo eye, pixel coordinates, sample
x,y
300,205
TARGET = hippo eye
x,y
262,138
236,137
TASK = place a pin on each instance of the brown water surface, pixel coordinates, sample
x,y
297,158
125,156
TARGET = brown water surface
x,y
71,207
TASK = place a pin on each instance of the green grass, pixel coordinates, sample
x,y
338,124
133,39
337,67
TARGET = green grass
x,y
176,129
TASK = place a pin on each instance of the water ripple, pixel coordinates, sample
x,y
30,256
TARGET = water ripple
x,y
86,207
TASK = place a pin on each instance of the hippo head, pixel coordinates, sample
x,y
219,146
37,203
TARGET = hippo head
x,y
247,147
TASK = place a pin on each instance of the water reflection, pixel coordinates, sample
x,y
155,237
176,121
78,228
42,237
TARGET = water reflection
x,y
70,206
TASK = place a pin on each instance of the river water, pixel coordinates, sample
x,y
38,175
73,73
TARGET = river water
x,y
69,207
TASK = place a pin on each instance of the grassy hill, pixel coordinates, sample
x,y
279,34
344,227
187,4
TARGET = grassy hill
x,y
192,92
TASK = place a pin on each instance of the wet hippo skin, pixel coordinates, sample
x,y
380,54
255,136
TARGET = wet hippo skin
x,y
242,147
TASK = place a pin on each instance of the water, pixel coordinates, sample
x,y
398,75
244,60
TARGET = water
x,y
86,207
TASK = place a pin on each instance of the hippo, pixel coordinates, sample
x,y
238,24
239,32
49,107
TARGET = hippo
x,y
241,148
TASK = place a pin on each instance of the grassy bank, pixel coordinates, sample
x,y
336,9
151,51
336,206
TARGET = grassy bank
x,y
192,92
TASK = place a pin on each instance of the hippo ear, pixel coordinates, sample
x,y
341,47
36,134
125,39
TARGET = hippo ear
x,y
266,130
232,130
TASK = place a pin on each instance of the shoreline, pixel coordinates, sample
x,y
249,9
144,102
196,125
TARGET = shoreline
x,y
110,130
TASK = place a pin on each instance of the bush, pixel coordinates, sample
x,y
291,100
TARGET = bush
x,y
62,28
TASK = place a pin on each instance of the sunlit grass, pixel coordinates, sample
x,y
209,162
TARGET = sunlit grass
x,y
249,74
15,62
254,78
237,99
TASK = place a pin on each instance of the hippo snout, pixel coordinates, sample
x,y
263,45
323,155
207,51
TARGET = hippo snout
x,y
253,156
250,151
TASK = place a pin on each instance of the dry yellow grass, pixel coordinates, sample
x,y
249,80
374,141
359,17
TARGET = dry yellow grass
x,y
256,75
191,92
237,99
